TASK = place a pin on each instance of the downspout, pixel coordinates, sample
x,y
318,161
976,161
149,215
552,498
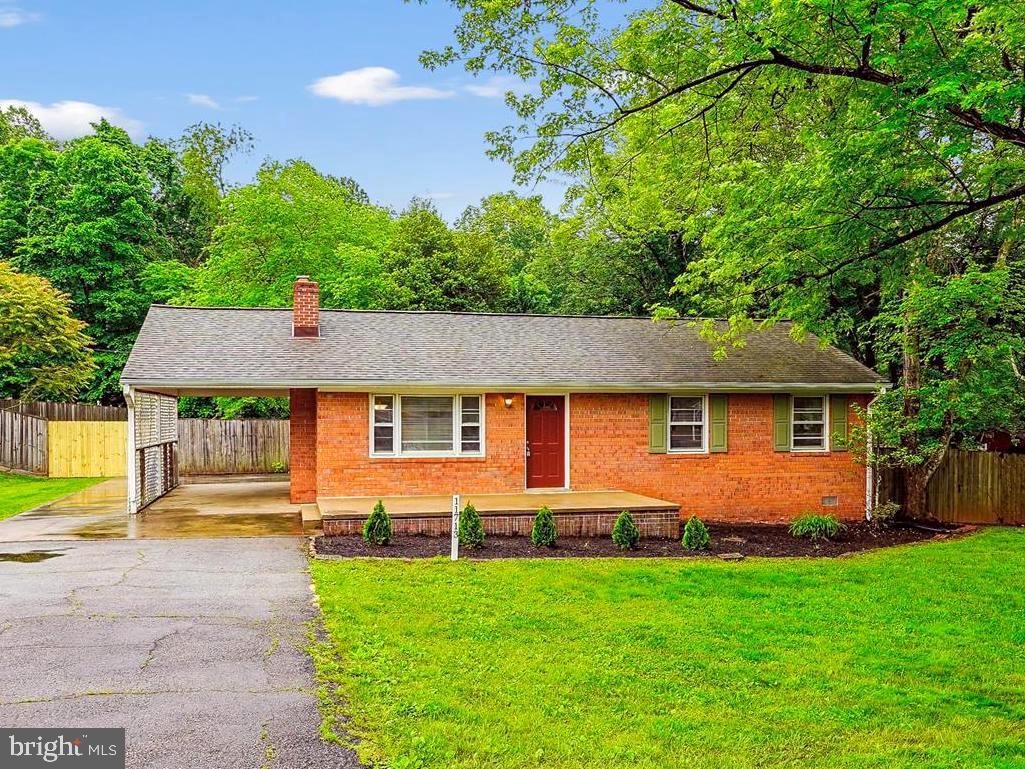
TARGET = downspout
x,y
871,492
132,469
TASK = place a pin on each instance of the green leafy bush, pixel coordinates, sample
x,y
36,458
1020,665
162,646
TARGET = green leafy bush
x,y
625,533
471,530
695,535
377,529
885,514
815,526
544,533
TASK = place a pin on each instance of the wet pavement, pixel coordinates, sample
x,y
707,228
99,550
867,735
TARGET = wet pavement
x,y
230,509
197,647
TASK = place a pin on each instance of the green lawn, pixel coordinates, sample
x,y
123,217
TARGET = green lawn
x,y
22,492
907,657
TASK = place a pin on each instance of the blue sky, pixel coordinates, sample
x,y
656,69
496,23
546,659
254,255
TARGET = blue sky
x,y
297,75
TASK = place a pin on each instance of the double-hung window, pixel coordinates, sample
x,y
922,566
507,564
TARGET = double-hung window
x,y
687,423
808,423
427,425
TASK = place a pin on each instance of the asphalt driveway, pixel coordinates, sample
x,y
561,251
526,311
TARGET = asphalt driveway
x,y
196,646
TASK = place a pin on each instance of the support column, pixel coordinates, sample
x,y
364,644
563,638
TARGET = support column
x,y
302,437
132,467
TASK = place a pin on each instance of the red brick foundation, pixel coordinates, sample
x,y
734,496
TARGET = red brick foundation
x,y
654,524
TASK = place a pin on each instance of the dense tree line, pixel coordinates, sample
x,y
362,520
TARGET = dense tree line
x,y
115,225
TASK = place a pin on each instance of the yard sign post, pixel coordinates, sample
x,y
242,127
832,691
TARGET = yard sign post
x,y
455,527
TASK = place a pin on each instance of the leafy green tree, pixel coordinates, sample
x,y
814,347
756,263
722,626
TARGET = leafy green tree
x,y
44,352
436,270
90,230
294,221
23,163
855,166
18,123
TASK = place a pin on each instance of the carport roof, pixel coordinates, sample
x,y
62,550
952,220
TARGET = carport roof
x,y
193,349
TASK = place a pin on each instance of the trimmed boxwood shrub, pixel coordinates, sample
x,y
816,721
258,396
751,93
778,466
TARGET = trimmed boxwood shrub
x,y
695,535
377,528
625,534
544,533
471,530
814,526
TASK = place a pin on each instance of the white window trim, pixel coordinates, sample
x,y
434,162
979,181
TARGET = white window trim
x,y
825,426
457,442
670,423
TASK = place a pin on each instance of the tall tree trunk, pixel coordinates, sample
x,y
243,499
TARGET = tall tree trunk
x,y
915,480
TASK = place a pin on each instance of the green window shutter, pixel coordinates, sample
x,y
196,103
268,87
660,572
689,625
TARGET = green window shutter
x,y
781,422
838,422
657,431
717,423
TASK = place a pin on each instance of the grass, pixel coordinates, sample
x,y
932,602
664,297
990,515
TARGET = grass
x,y
19,493
906,657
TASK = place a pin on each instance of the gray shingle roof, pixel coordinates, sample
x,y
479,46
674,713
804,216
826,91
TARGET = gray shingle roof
x,y
192,347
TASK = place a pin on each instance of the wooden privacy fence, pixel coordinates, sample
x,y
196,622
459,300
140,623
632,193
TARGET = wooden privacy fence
x,y
23,444
971,487
87,449
218,446
66,412
69,440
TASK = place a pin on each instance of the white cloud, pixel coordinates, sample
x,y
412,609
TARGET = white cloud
x,y
68,119
13,16
495,87
202,100
373,86
246,99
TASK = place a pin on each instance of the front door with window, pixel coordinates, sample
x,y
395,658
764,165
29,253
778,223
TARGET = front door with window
x,y
546,442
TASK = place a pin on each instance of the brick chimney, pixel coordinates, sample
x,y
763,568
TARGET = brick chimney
x,y
305,307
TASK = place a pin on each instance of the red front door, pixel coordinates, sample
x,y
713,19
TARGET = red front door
x,y
546,442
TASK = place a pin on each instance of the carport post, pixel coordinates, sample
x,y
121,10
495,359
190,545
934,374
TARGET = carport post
x,y
132,467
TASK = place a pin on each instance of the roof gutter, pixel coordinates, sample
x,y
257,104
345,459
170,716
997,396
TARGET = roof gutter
x,y
515,386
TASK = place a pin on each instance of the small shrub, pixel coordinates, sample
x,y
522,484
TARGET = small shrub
x,y
814,526
544,533
278,467
625,533
377,529
695,535
471,530
885,514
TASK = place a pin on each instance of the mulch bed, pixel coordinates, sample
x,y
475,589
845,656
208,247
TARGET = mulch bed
x,y
746,539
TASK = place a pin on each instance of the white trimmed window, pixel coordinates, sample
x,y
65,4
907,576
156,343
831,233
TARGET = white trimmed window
x,y
808,423
427,425
687,423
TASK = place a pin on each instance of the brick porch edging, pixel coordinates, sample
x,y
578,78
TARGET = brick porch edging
x,y
653,524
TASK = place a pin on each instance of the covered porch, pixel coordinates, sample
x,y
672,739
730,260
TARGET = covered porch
x,y
577,513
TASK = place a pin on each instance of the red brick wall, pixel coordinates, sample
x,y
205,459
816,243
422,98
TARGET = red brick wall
x,y
302,437
608,450
750,482
345,467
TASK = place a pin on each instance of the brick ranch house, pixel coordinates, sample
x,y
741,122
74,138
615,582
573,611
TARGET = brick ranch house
x,y
428,404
